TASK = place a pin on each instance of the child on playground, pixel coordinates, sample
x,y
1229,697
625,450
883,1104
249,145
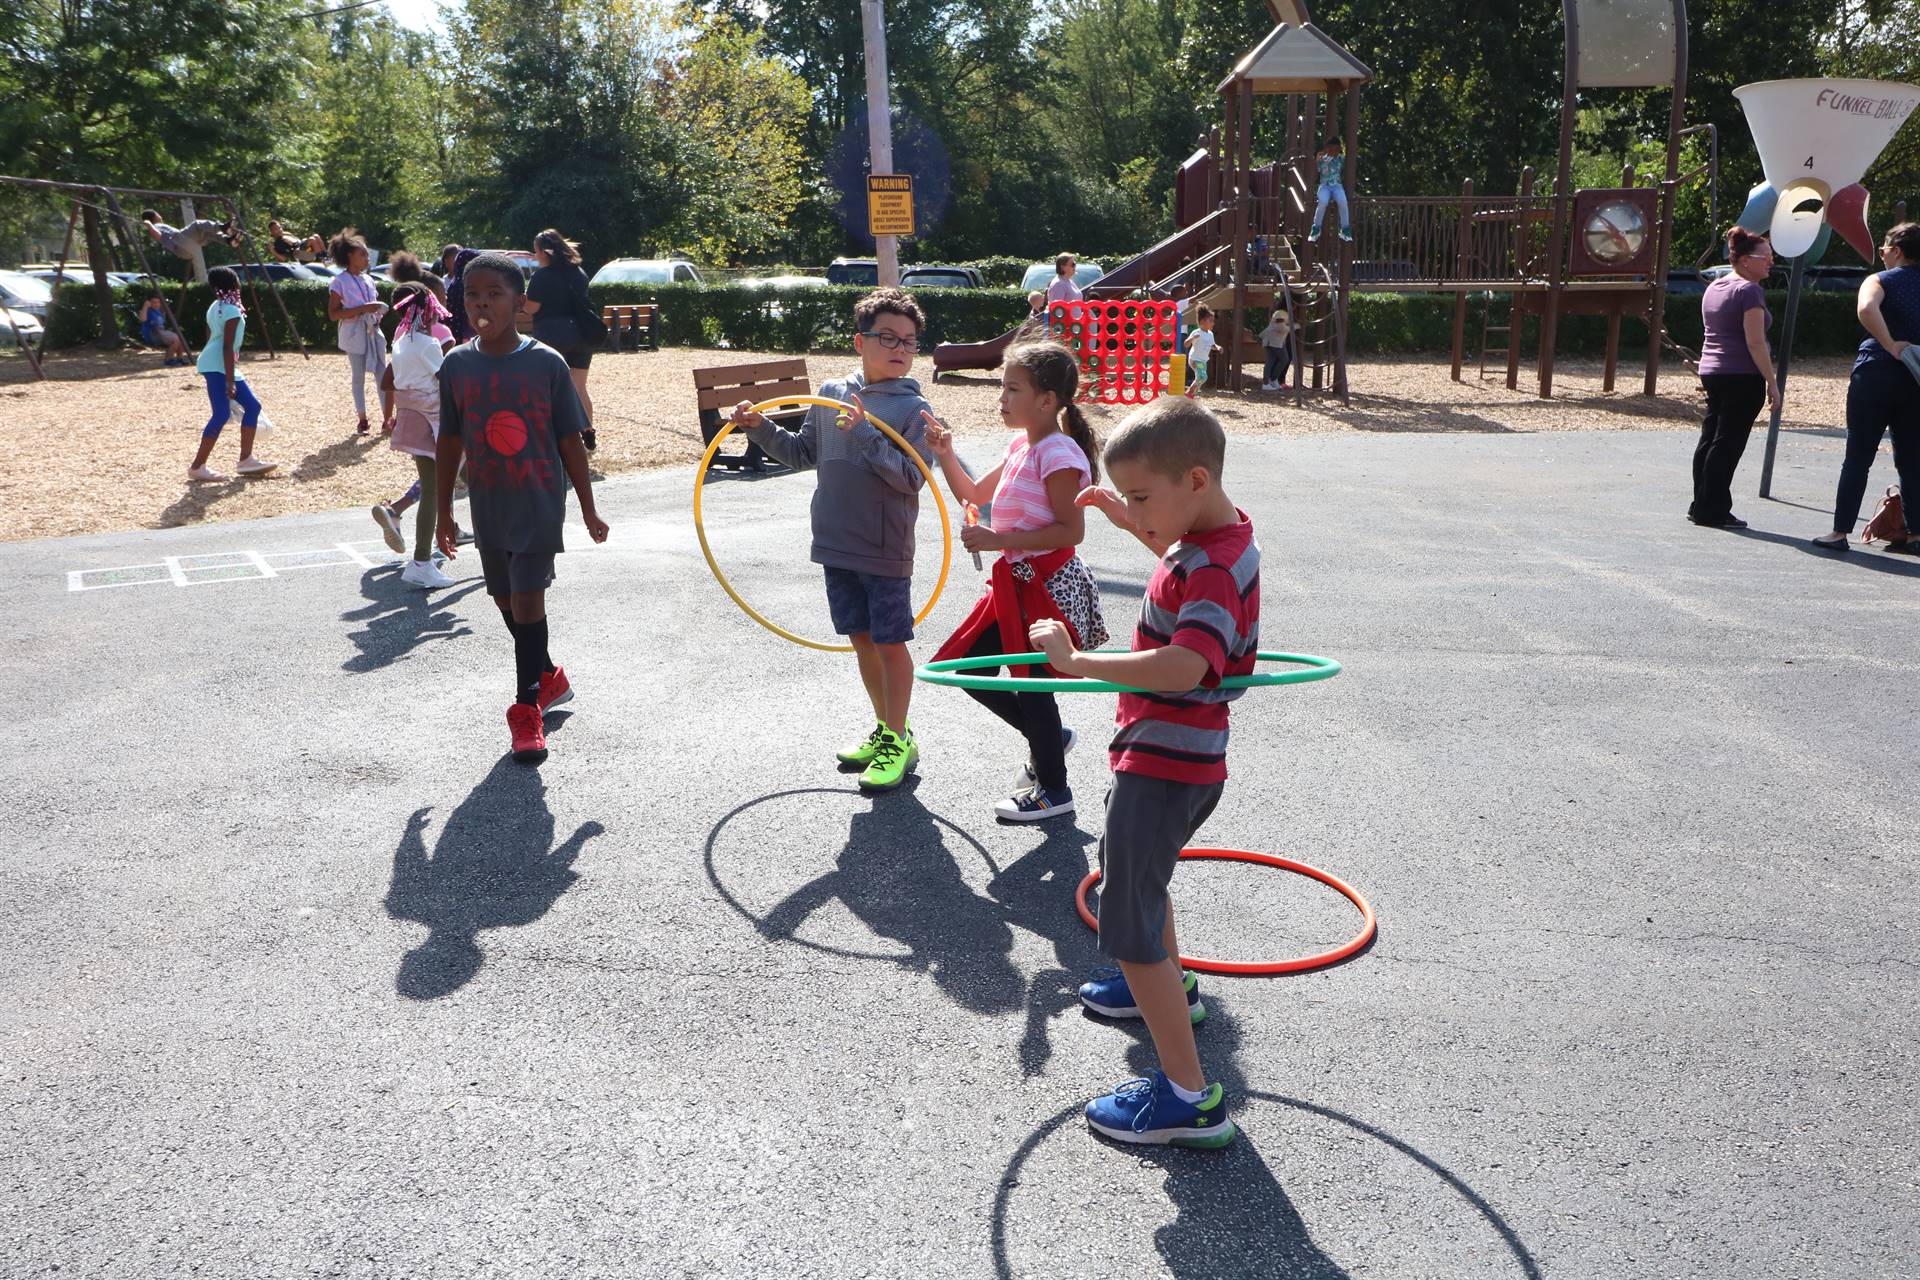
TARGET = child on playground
x,y
154,332
1199,623
1050,458
226,327
184,242
865,503
1200,344
1277,339
1331,166
420,344
353,304
288,247
508,403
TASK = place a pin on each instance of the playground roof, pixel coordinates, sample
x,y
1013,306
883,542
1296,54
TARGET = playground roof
x,y
1292,13
1297,59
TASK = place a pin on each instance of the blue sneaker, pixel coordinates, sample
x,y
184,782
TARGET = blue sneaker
x,y
1109,996
1035,804
1150,1112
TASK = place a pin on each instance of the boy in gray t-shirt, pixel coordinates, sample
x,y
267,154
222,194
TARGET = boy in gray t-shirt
x,y
508,403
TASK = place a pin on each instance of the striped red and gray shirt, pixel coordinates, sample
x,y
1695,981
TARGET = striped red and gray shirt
x,y
1204,596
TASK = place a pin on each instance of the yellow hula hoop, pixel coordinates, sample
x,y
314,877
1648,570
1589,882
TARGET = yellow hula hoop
x,y
793,402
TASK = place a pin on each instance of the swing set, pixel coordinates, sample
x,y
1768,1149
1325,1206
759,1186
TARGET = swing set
x,y
105,201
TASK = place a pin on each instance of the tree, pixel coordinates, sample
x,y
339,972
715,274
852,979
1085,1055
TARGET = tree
x,y
741,115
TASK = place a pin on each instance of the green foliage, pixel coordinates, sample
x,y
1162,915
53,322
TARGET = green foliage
x,y
767,319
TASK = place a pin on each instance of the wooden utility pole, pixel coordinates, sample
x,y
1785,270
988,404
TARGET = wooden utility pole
x,y
873,29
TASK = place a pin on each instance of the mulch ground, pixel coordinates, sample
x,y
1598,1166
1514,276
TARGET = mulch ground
x,y
103,444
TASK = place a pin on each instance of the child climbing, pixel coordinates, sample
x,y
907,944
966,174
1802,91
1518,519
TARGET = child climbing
x,y
1051,456
226,328
864,506
412,377
1331,165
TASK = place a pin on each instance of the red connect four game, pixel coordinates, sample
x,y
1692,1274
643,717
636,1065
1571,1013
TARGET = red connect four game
x,y
1125,348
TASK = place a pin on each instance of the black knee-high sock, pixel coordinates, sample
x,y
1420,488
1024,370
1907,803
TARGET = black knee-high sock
x,y
529,642
536,633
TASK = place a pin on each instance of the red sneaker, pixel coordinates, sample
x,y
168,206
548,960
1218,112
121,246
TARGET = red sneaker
x,y
529,739
554,689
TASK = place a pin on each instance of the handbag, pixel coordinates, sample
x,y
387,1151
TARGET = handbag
x,y
1889,520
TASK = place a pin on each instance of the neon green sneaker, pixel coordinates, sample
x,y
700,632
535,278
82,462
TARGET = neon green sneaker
x,y
862,754
892,757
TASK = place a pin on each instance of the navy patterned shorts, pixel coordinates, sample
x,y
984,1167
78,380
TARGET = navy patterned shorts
x,y
880,606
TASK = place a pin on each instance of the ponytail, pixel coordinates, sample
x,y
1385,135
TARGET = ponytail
x,y
1082,432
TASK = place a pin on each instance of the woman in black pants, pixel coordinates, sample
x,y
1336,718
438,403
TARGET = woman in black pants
x,y
563,313
1882,395
1736,371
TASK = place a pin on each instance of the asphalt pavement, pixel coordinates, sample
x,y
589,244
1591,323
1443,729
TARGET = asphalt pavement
x,y
301,975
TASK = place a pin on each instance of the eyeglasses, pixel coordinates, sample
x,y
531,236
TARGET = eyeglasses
x,y
891,341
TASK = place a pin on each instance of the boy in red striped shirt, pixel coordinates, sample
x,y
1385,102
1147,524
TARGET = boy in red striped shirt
x,y
1199,623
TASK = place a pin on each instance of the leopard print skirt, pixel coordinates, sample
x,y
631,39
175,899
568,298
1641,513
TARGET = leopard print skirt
x,y
1077,596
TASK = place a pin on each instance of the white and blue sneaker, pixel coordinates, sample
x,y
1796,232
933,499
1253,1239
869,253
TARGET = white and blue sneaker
x,y
1150,1112
1027,778
1035,804
1108,995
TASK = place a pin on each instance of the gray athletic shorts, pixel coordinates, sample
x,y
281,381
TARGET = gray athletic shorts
x,y
1149,821
508,572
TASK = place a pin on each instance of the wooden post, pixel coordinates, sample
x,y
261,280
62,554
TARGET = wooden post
x,y
59,278
1519,238
1462,255
873,30
1669,195
1613,343
1242,241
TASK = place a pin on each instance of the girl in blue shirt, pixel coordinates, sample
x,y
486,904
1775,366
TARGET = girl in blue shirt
x,y
1331,164
226,326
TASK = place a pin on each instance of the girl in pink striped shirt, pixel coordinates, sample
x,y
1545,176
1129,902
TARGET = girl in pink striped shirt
x,y
1035,527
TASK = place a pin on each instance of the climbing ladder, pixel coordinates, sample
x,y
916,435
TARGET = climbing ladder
x,y
1508,350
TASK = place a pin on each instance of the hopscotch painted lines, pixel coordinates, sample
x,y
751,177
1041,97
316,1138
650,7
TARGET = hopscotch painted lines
x,y
256,566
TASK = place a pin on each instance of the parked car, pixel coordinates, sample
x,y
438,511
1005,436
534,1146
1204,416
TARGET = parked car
x,y
646,271
861,271
21,292
81,275
784,282
22,323
1041,274
279,272
941,278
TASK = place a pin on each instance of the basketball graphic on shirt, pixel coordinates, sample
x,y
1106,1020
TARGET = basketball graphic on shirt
x,y
506,433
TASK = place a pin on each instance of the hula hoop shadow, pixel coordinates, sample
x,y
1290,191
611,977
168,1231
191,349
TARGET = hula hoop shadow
x,y
1215,1169
1369,927
759,923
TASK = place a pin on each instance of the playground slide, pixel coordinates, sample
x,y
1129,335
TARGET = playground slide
x,y
949,356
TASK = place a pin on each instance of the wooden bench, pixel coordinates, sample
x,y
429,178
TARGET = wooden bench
x,y
631,327
720,388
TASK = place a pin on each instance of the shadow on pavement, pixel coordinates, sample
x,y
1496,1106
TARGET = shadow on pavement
x,y
494,866
401,618
1036,893
1234,1216
1859,557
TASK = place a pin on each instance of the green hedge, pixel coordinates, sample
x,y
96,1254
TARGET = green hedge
x,y
759,319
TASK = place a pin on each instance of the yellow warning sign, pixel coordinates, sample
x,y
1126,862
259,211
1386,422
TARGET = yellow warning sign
x,y
890,204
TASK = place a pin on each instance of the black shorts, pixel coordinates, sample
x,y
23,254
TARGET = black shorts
x,y
580,358
511,572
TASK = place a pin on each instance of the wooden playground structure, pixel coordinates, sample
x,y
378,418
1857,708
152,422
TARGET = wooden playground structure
x,y
1545,251
98,207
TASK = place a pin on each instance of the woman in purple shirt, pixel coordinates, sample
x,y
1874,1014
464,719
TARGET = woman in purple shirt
x,y
1883,395
1736,372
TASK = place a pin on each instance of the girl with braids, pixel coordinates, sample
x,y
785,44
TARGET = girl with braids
x,y
226,327
1035,527
412,378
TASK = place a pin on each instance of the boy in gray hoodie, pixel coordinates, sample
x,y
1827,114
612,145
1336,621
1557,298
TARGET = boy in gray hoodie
x,y
865,502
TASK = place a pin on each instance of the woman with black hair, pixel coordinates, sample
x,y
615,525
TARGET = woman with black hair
x,y
1736,372
1882,395
562,312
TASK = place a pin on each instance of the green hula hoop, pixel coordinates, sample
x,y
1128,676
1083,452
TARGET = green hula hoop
x,y
951,673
